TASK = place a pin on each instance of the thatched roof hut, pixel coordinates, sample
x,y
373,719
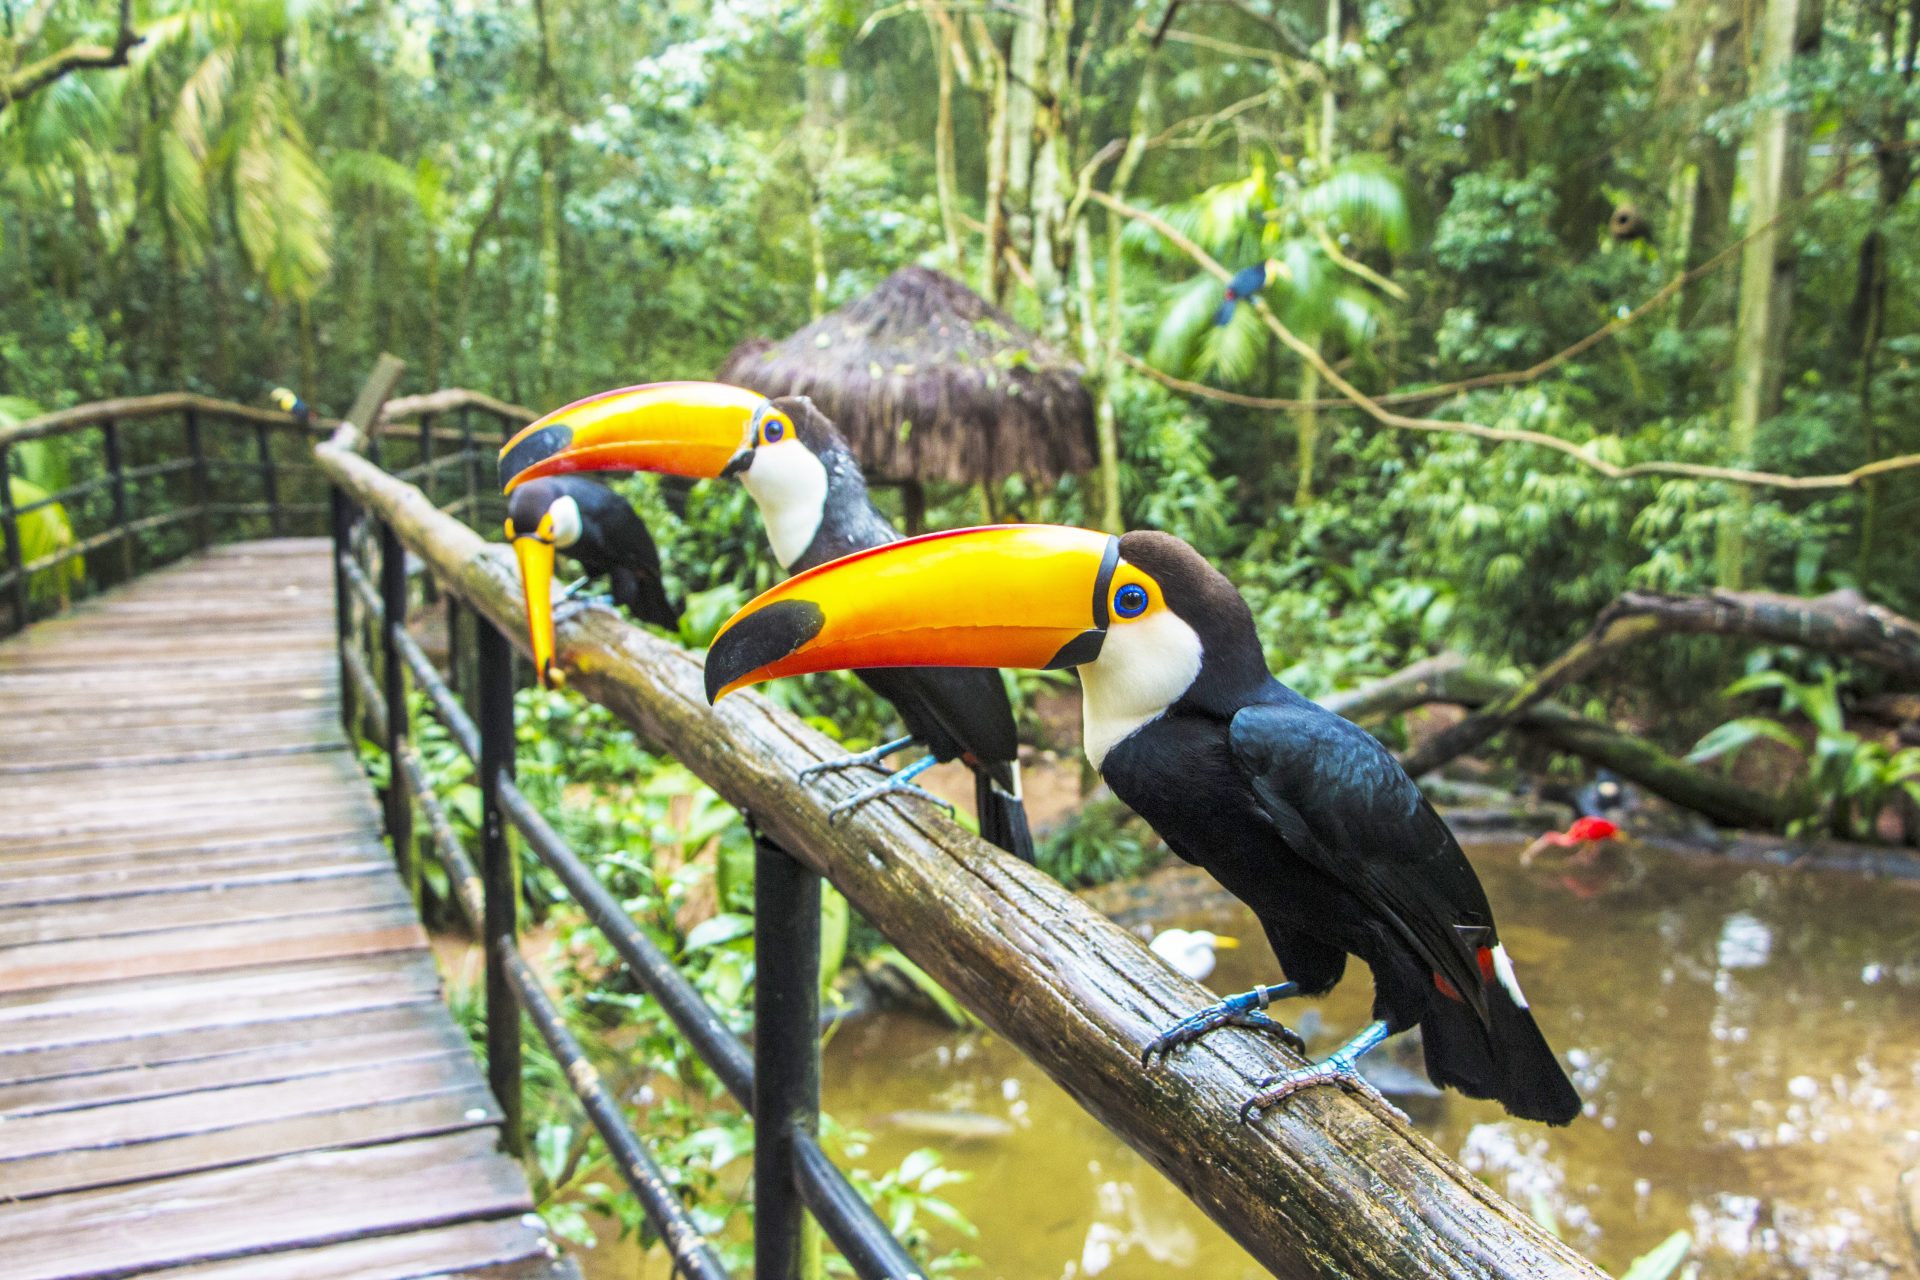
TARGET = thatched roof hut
x,y
929,381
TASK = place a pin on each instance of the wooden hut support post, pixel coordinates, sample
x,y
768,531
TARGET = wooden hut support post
x,y
1326,1185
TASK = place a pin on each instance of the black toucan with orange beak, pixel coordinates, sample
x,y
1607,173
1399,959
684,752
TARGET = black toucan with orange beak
x,y
594,525
813,502
1299,813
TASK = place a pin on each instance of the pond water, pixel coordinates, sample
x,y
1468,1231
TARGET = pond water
x,y
1748,1042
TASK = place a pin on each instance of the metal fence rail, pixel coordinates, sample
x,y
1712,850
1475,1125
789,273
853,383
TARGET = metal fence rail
x,y
221,470
777,1081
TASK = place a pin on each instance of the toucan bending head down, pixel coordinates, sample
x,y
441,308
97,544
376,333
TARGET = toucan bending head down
x,y
813,502
1299,813
595,526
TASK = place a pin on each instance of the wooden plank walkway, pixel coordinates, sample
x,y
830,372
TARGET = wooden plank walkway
x,y
223,1050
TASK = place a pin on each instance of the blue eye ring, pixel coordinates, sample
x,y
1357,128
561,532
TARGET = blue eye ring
x,y
1130,601
772,430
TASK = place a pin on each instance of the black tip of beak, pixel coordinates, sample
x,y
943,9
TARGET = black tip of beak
x,y
535,449
760,638
737,463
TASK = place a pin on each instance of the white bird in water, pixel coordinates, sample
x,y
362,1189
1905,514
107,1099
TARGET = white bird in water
x,y
1191,951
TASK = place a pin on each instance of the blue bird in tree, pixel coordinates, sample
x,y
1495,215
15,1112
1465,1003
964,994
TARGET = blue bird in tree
x,y
1247,282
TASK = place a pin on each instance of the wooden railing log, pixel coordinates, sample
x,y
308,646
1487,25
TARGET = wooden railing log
x,y
1327,1185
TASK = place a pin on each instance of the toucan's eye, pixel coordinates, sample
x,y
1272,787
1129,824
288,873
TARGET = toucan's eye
x,y
1130,601
773,430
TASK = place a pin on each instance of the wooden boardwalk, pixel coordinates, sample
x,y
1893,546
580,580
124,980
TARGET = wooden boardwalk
x,y
223,1048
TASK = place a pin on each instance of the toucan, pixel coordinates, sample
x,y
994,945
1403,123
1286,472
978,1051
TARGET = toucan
x,y
1299,813
290,402
595,526
813,502
1247,282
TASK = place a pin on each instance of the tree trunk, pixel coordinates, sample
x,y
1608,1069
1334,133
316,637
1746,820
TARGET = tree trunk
x,y
1309,427
943,173
1842,622
1788,28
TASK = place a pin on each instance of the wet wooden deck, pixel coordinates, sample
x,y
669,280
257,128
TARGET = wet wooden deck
x,y
223,1047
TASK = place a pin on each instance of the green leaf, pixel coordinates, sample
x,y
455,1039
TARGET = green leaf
x,y
720,929
1736,734
1662,1260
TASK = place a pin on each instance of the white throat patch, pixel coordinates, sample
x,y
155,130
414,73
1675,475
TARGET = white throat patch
x,y
566,521
789,485
1143,668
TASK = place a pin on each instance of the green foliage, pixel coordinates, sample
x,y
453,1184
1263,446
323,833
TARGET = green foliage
x,y
1851,778
44,531
1099,842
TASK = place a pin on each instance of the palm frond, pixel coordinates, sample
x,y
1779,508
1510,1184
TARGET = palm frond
x,y
281,200
1231,352
1183,325
371,171
1364,199
202,101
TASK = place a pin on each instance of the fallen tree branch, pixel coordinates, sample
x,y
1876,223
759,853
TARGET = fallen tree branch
x,y
1580,453
1843,622
1449,678
1327,1185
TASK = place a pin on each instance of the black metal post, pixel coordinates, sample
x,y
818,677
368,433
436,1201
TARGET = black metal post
x,y
269,478
426,455
117,480
393,675
196,449
497,871
340,519
10,529
470,464
786,1052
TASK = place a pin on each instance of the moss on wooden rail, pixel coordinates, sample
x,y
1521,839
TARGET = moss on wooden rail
x,y
1326,1185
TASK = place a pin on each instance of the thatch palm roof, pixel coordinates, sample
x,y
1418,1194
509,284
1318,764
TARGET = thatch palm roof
x,y
930,381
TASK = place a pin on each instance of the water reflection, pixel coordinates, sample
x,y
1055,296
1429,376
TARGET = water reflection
x,y
1748,1042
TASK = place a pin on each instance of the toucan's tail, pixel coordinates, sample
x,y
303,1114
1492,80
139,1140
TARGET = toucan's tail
x,y
1506,1058
645,598
1224,315
1003,815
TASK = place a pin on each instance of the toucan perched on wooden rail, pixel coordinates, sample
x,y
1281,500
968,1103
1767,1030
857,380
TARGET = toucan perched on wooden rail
x,y
1299,813
595,526
813,502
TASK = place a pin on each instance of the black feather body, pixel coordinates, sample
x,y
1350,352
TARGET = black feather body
x,y
1312,823
957,713
614,542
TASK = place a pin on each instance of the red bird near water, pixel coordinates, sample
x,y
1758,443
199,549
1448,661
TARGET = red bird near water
x,y
1584,835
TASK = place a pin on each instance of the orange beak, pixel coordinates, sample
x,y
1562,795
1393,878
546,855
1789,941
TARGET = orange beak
x,y
681,428
1003,596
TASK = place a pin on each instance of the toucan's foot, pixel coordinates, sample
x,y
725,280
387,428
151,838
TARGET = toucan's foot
x,y
899,784
577,605
1235,1011
573,588
856,760
1341,1067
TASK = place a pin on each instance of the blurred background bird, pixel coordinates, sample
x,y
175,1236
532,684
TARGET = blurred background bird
x,y
290,402
1246,283
1191,951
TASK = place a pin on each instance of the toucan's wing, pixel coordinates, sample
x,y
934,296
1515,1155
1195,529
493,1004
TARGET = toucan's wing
x,y
955,711
1343,803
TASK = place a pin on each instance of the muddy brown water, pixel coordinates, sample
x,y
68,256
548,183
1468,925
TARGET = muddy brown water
x,y
1748,1042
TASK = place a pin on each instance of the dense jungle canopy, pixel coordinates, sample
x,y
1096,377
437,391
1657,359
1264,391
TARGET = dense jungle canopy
x,y
1677,233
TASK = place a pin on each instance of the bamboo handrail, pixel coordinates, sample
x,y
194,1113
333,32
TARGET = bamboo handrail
x,y
1326,1185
